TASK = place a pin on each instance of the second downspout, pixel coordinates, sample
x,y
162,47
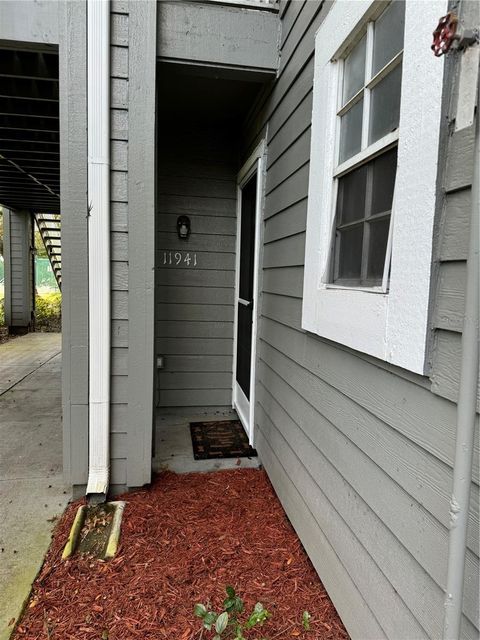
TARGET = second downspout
x,y
466,409
98,122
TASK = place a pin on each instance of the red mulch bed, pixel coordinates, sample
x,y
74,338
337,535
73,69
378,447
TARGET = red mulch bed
x,y
183,540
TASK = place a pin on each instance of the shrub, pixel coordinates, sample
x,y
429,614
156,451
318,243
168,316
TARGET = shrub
x,y
48,311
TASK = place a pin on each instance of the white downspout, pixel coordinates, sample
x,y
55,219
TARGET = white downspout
x,y
98,118
466,409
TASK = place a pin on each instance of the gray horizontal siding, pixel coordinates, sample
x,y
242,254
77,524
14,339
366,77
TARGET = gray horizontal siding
x,y
359,452
119,242
18,294
446,371
169,329
453,247
202,363
203,205
200,347
194,304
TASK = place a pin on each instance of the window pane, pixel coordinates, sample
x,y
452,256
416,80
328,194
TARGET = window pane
x,y
354,71
388,38
385,105
350,242
383,181
351,196
377,249
351,132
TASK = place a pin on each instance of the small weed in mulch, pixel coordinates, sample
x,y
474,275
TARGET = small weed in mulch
x,y
184,540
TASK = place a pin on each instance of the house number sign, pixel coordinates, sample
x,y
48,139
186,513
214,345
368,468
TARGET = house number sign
x,y
177,258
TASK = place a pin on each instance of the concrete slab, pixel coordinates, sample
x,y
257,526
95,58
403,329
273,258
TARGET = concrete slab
x,y
32,491
174,449
22,355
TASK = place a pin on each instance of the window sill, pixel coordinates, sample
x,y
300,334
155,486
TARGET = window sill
x,y
345,287
262,5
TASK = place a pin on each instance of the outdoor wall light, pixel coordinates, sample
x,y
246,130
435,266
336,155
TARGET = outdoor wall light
x,y
183,227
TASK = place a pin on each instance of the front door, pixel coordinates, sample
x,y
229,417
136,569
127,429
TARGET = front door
x,y
246,292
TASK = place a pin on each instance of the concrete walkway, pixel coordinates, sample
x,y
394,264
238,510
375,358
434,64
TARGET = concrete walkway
x,y
32,491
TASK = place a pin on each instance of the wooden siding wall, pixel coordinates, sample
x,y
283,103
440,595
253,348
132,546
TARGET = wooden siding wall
x,y
119,240
194,313
359,452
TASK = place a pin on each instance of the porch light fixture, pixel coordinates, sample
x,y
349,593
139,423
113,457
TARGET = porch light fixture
x,y
183,227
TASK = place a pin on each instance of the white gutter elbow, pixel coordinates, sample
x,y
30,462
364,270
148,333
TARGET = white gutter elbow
x,y
98,118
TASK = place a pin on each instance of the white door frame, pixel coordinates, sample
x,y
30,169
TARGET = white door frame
x,y
245,408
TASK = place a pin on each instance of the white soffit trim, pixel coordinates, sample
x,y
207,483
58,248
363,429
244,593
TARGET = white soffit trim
x,y
393,326
98,109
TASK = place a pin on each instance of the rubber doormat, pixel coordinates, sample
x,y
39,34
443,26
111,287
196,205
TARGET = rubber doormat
x,y
220,439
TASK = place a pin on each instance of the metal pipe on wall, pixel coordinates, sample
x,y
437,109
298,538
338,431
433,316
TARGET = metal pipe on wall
x,y
98,121
466,409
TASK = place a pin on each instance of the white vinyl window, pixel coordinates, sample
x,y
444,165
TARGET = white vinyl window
x,y
373,171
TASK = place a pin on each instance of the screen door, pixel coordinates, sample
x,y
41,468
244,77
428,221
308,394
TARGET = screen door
x,y
245,302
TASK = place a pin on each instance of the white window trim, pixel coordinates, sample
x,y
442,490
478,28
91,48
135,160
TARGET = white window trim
x,y
391,326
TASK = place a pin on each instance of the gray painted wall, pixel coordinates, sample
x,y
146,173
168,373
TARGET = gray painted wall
x,y
18,268
194,313
359,452
141,238
218,34
74,207
74,241
30,21
132,110
119,115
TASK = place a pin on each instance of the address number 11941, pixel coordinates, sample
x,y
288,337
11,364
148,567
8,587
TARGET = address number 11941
x,y
176,258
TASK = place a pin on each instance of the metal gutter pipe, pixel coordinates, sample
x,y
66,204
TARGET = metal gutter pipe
x,y
466,409
98,118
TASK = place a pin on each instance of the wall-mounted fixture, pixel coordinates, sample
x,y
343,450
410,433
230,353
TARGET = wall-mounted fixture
x,y
183,227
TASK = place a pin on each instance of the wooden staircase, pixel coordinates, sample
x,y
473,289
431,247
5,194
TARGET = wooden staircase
x,y
49,226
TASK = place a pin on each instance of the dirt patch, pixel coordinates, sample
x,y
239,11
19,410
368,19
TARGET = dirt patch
x,y
4,335
183,540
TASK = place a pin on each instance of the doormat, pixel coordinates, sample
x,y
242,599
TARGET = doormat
x,y
222,439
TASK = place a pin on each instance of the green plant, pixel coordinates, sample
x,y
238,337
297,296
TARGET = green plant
x,y
48,311
227,623
306,620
